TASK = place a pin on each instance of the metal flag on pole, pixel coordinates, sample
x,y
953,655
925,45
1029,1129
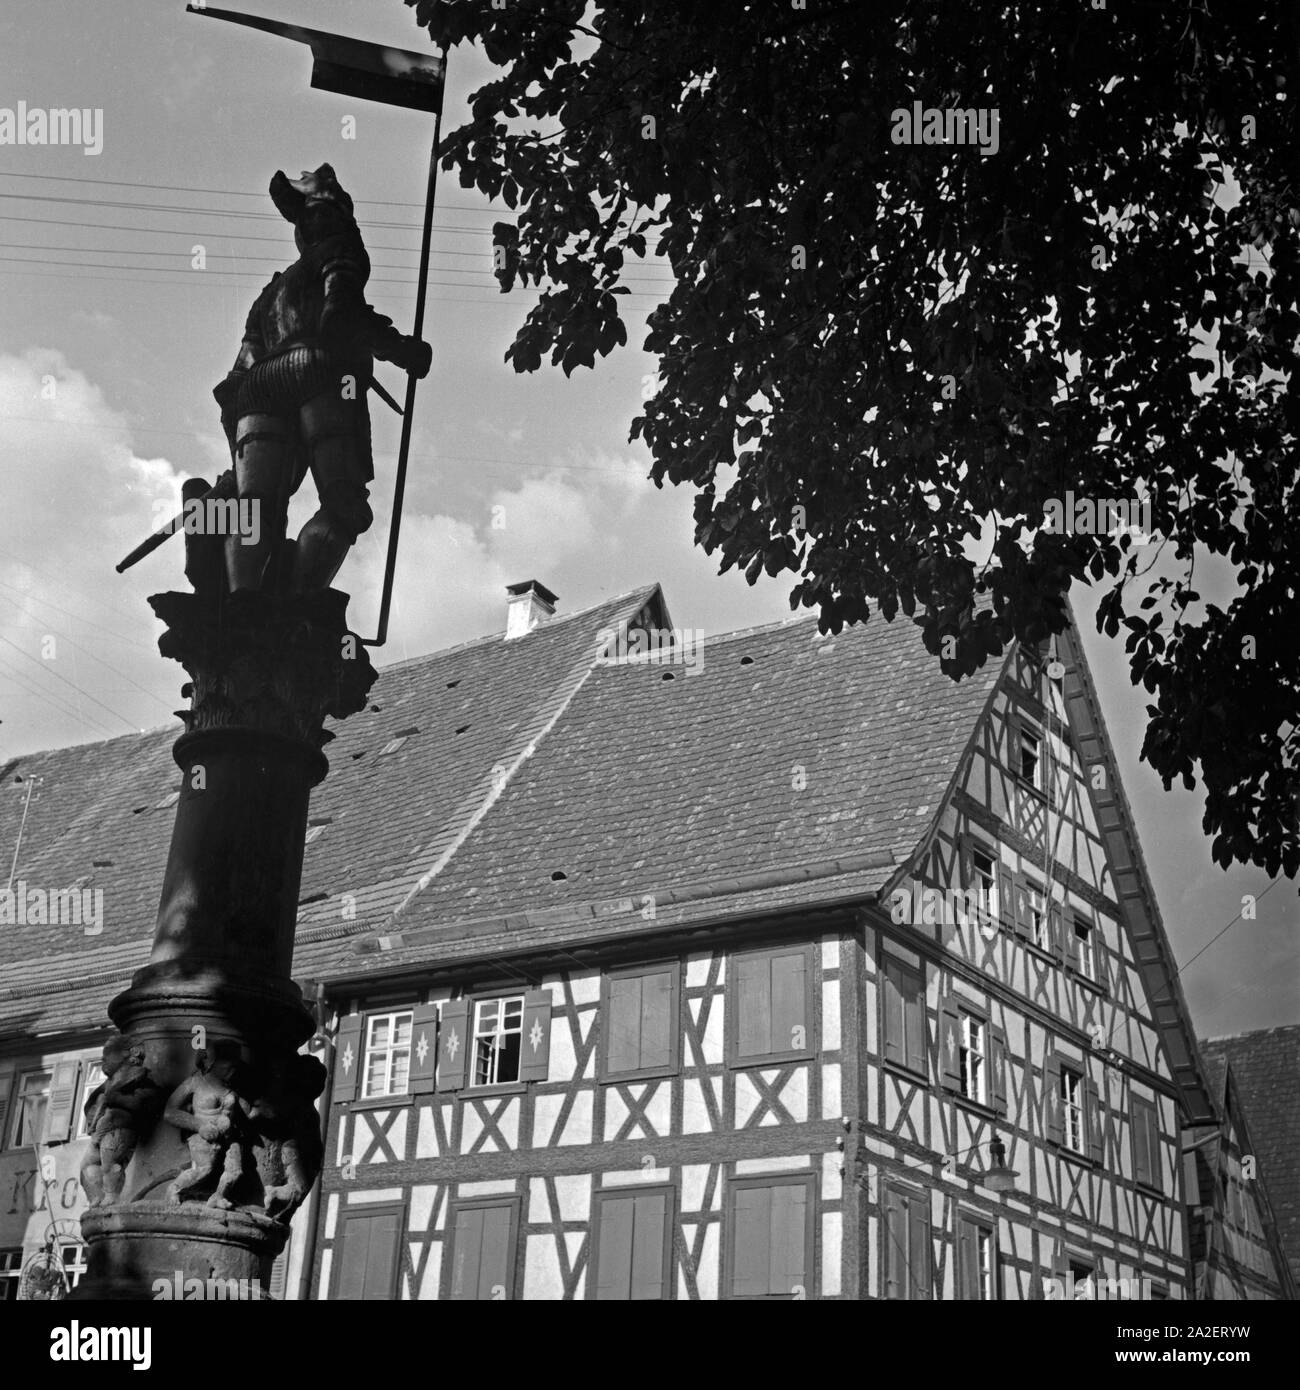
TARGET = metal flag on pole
x,y
396,77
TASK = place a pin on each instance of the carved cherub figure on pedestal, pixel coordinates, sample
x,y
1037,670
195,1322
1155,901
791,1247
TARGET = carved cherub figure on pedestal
x,y
290,1151
117,1110
206,1106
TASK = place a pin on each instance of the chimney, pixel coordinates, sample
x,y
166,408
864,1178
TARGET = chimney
x,y
530,603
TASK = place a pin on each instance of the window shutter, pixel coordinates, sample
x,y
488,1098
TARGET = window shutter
x,y
753,1006
965,866
1069,942
1052,1101
895,1246
494,1259
998,1063
950,1046
647,1268
968,1261
535,1056
1023,922
1006,895
63,1093
789,1238
347,1058
658,1019
1060,1265
623,1025
424,1049
919,1254
1101,959
1141,1153
1054,938
279,1274
789,1002
752,1241
1092,1111
453,1045
893,1013
367,1256
6,1084
1153,1146
914,1023
467,1257
614,1251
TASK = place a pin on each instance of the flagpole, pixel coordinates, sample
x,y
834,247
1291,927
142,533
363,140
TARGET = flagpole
x,y
403,452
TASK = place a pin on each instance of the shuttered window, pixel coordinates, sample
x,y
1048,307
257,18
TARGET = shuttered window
x,y
632,1239
904,1015
1146,1143
639,1021
483,1251
366,1253
772,1237
978,1275
388,1054
92,1078
30,1102
908,1257
770,1005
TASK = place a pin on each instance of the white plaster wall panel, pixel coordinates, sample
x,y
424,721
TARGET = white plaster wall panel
x,y
421,1208
830,953
695,1177
484,1189
832,1254
542,1277
374,1194
426,1134
832,1104
831,1014
331,1215
794,1096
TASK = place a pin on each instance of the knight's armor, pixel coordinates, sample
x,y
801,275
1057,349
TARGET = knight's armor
x,y
295,398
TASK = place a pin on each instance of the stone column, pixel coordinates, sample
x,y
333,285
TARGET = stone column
x,y
205,1135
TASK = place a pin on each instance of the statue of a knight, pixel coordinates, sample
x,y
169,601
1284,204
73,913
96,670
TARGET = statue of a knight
x,y
295,400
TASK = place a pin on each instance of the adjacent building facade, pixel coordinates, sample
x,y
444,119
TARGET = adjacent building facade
x,y
790,971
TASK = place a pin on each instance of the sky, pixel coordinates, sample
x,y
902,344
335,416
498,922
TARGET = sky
x,y
111,341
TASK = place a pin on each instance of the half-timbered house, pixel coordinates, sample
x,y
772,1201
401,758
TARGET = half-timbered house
x,y
773,967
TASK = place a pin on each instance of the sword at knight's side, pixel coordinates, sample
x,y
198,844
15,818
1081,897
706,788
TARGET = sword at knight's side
x,y
396,77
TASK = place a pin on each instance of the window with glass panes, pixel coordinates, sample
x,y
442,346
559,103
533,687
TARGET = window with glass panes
x,y
978,1260
1029,756
73,1258
985,882
388,1054
31,1101
11,1273
498,1038
92,1077
1072,1130
1083,949
974,1076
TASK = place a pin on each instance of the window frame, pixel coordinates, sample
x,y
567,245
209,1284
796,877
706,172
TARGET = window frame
x,y
475,1002
1085,946
732,1007
513,1201
990,907
971,1018
1077,1106
18,1111
1025,727
981,1225
11,1273
364,1078
673,968
808,1179
599,1197
85,1089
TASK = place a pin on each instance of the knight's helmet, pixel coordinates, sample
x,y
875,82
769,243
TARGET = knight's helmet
x,y
293,197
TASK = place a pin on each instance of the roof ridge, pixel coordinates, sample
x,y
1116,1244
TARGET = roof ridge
x,y
559,620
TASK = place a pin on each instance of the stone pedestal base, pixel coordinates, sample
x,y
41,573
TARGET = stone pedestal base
x,y
153,1250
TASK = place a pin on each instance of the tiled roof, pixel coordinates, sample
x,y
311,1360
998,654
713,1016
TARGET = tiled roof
x,y
1266,1074
786,769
